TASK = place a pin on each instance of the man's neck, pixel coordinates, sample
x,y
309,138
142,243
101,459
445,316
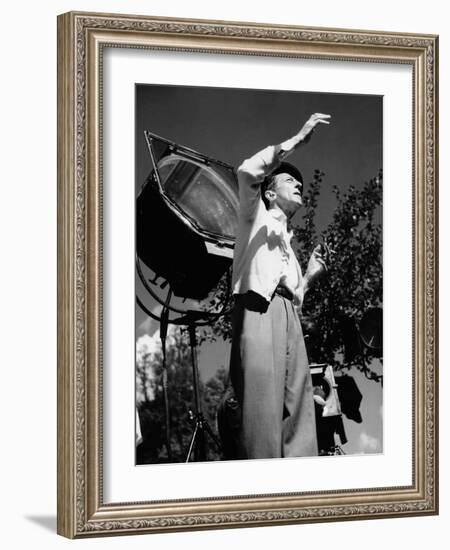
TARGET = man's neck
x,y
281,214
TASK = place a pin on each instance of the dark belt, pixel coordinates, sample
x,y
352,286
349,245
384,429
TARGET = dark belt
x,y
284,292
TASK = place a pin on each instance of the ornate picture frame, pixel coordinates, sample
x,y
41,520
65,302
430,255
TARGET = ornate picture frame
x,y
82,40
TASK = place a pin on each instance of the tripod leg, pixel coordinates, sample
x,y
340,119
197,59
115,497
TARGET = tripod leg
x,y
200,448
213,436
191,444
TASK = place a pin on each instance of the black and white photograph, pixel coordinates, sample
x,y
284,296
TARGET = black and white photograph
x,y
259,274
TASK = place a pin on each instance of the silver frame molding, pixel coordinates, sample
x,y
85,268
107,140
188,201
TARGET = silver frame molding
x,y
81,38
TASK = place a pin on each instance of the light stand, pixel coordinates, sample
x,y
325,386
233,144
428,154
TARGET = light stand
x,y
191,320
201,426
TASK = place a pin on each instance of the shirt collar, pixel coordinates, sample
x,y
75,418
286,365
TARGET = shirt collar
x,y
280,216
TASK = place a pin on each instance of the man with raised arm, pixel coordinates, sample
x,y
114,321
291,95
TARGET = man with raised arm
x,y
269,368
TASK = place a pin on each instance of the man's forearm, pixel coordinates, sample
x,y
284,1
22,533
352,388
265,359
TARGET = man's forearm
x,y
291,144
308,282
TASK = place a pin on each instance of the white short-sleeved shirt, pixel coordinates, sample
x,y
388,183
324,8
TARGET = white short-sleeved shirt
x,y
263,256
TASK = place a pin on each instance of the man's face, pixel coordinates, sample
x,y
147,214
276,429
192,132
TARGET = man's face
x,y
288,192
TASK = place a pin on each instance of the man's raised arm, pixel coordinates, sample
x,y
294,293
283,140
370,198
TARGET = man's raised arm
x,y
252,171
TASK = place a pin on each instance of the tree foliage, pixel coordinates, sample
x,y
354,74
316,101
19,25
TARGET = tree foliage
x,y
180,391
353,284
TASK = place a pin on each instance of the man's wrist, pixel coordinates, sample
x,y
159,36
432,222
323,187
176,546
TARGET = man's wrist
x,y
282,151
291,144
287,147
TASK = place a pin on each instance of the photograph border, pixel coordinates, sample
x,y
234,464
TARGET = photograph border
x,y
81,39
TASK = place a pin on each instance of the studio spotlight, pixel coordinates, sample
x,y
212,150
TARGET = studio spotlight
x,y
186,218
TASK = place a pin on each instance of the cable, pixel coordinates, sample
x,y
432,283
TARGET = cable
x,y
163,335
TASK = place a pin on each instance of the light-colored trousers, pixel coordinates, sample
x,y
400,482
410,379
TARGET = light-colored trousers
x,y
271,379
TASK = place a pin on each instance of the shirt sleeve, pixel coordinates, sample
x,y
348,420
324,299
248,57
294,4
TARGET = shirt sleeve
x,y
251,174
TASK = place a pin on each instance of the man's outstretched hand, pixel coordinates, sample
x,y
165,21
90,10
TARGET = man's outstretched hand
x,y
304,135
308,128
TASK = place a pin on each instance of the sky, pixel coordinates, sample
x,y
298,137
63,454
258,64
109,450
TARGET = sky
x,y
233,124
